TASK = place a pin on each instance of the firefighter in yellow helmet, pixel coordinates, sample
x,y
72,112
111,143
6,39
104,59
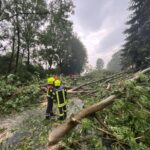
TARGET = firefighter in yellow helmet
x,y
60,95
50,89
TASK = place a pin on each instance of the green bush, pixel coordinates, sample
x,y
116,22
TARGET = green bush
x,y
14,96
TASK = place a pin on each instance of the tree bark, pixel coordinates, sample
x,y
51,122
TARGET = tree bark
x,y
28,50
137,75
18,38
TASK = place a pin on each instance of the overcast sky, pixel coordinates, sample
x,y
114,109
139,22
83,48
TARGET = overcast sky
x,y
100,25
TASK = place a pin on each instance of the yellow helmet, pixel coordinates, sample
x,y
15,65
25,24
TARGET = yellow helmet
x,y
50,80
57,83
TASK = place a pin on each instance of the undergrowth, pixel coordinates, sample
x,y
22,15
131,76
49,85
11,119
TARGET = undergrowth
x,y
16,96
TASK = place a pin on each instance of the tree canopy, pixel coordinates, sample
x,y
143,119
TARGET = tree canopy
x,y
115,63
136,50
99,64
38,33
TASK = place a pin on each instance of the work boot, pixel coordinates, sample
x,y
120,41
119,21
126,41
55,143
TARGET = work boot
x,y
47,117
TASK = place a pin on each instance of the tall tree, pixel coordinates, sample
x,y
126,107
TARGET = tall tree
x,y
55,39
136,50
31,24
99,64
63,29
115,63
39,32
76,59
24,19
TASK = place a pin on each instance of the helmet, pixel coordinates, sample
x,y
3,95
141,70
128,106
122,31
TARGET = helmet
x,y
50,80
57,83
56,77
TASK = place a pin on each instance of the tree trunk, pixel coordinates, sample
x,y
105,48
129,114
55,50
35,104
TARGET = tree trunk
x,y
22,56
28,50
12,53
18,38
50,62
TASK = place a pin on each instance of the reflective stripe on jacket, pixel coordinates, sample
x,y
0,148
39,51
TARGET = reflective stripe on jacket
x,y
61,97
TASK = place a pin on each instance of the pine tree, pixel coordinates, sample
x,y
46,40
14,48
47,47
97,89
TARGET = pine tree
x,y
137,46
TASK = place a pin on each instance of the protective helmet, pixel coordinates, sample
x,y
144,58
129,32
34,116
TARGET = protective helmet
x,y
50,80
57,83
56,77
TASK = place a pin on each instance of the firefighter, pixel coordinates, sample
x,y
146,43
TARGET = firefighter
x,y
50,89
61,99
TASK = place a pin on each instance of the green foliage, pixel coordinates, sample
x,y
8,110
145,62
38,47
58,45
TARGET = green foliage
x,y
136,49
96,144
99,64
115,62
20,23
4,64
77,59
32,47
29,72
127,119
97,74
56,38
16,96
86,125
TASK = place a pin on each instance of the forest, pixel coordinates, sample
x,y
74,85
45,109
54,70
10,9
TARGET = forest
x,y
36,35
108,105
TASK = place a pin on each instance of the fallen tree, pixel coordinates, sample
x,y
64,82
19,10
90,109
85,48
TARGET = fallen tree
x,y
58,133
99,80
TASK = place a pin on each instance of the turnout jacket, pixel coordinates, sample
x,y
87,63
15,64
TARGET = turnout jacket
x,y
60,95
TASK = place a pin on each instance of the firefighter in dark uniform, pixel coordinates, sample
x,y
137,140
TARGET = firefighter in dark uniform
x,y
50,89
60,95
